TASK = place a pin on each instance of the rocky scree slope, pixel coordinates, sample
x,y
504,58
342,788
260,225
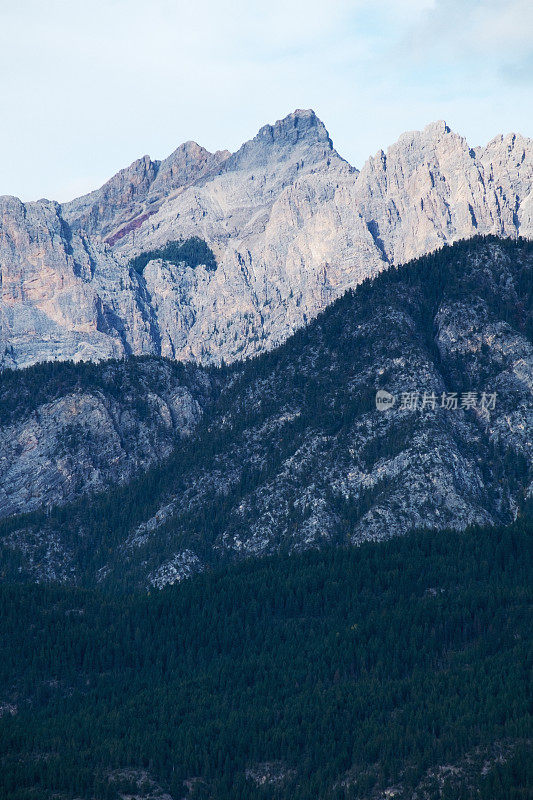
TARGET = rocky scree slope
x,y
291,223
292,453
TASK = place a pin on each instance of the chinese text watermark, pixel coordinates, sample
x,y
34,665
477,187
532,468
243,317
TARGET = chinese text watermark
x,y
451,401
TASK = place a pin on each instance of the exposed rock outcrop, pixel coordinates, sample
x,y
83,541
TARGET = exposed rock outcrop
x,y
77,430
291,223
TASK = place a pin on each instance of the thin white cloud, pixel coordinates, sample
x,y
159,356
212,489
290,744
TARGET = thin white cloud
x,y
491,32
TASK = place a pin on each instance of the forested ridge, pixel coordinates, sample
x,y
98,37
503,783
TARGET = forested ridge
x,y
289,450
335,674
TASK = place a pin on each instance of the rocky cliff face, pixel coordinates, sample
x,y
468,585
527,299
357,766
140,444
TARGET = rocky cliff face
x,y
289,450
74,430
135,193
291,223
430,188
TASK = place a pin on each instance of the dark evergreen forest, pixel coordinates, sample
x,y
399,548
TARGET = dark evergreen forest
x,y
193,252
349,670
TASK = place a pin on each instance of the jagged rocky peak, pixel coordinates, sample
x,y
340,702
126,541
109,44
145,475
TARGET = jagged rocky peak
x,y
301,123
187,163
416,148
432,188
300,137
292,226
433,130
119,194
125,196
510,142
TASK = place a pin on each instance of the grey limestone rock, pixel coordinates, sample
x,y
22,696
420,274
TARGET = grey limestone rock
x,y
291,223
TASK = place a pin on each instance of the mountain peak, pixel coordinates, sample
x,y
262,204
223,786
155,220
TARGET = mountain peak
x,y
297,125
300,137
429,134
291,225
439,127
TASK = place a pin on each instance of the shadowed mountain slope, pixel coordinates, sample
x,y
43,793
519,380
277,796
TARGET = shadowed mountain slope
x,y
290,451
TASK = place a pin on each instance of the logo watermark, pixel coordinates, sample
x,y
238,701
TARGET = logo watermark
x,y
384,400
451,401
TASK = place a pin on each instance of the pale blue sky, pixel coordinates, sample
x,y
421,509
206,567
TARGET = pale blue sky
x,y
89,86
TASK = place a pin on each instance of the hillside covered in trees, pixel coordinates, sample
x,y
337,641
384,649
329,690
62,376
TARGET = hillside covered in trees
x,y
400,667
286,451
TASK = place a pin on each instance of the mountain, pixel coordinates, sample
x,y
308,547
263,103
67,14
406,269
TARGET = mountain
x,y
288,450
289,222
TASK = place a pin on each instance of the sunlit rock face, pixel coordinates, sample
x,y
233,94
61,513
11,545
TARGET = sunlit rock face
x,y
291,223
431,188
